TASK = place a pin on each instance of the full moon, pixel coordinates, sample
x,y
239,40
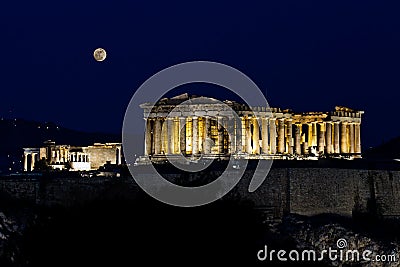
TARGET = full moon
x,y
99,54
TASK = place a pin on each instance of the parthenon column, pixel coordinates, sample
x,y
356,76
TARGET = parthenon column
x,y
226,140
343,137
297,139
157,136
195,136
177,146
256,136
281,135
328,137
357,138
321,137
147,143
310,134
289,136
220,123
272,136
231,135
264,135
336,132
352,141
170,135
182,135
239,133
248,135
314,134
307,135
164,136
207,141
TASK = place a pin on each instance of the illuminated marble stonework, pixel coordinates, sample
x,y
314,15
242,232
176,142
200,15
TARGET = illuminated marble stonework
x,y
73,157
281,133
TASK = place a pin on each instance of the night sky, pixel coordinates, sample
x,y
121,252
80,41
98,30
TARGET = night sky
x,y
307,55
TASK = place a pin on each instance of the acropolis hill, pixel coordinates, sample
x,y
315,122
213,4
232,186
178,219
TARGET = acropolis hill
x,y
329,185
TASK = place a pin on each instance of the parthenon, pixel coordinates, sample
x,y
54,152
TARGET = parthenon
x,y
201,129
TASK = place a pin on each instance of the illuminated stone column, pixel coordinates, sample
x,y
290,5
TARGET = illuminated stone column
x,y
307,138
230,121
272,135
239,135
25,162
328,138
264,135
170,136
207,137
195,136
147,138
177,146
164,136
220,122
256,136
297,139
336,139
314,134
289,136
33,161
310,134
352,141
58,156
182,134
321,138
343,138
118,161
357,138
225,147
248,135
281,135
157,136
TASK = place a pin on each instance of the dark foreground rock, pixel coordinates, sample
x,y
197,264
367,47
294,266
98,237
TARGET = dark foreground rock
x,y
145,232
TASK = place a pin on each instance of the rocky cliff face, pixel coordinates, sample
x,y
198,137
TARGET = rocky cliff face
x,y
320,233
12,229
115,232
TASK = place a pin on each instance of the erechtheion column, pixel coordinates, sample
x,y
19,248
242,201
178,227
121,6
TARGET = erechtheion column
x,y
33,161
25,162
